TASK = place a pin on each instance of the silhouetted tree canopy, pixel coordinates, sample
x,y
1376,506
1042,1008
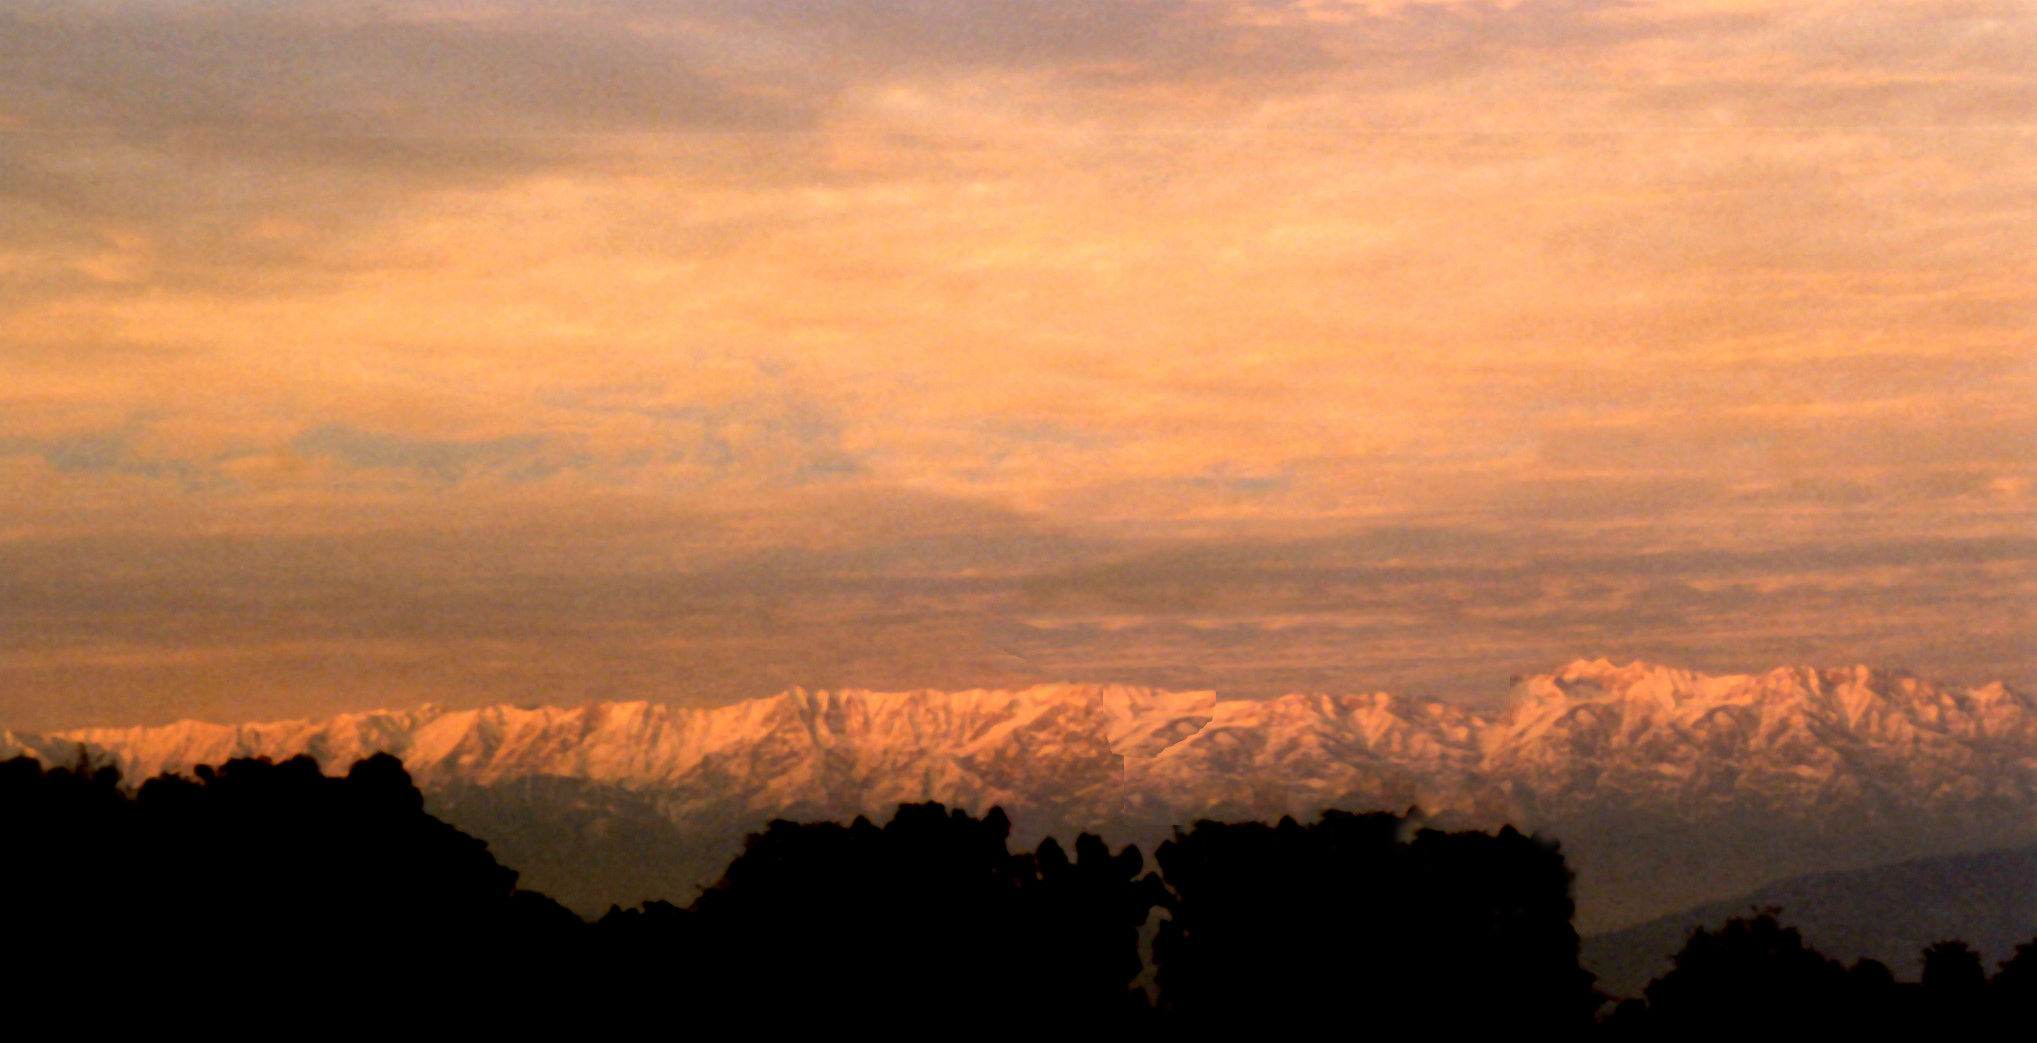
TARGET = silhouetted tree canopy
x,y
1369,918
2014,987
265,889
269,897
1748,972
927,918
1756,974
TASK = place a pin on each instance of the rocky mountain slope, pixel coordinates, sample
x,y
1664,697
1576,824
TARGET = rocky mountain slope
x,y
1647,772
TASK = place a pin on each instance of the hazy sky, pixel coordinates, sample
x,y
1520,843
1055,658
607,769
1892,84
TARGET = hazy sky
x,y
364,354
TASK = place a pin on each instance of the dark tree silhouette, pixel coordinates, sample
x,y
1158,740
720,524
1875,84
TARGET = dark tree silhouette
x,y
1754,974
1082,927
261,891
1954,970
2013,989
270,897
928,921
1749,972
1955,993
1372,918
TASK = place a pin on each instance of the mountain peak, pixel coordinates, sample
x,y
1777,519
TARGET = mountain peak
x,y
1645,734
1591,746
1589,668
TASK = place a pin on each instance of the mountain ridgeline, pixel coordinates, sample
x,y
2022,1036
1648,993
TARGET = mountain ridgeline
x,y
1646,771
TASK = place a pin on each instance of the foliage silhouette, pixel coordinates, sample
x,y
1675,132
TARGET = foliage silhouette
x,y
268,894
1755,972
265,889
1369,913
2013,989
1750,971
925,920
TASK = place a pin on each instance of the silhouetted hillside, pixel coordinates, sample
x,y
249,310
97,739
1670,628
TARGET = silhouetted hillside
x,y
1756,975
589,844
1887,913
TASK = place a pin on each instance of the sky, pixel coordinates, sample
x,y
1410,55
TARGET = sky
x,y
366,354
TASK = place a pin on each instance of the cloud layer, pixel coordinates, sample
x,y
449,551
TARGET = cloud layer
x,y
512,350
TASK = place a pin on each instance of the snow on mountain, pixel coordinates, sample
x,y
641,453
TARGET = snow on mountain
x,y
45,748
1666,786
1794,741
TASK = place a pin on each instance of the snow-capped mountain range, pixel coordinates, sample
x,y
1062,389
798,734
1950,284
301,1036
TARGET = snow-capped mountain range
x,y
1593,749
1792,739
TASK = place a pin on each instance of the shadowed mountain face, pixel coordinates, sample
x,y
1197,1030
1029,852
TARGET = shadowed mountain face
x,y
1888,913
1665,785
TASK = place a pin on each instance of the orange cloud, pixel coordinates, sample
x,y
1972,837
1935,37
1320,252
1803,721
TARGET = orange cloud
x,y
696,287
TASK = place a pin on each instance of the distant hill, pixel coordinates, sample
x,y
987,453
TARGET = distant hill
x,y
1889,913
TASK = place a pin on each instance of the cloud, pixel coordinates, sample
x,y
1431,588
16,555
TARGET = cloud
x,y
252,145
443,460
119,451
1006,340
328,85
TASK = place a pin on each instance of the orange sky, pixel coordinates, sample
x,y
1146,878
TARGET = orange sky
x,y
358,355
